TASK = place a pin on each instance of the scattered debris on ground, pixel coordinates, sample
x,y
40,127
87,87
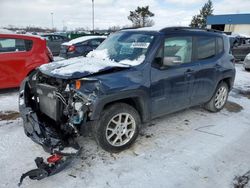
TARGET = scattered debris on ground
x,y
245,93
146,135
233,107
241,181
186,121
201,129
72,175
9,115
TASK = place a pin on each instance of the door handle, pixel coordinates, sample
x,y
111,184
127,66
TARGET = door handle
x,y
189,71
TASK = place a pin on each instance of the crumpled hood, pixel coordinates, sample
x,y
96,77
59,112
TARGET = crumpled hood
x,y
78,67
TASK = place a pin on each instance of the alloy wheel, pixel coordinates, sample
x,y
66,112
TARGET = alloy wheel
x,y
221,97
120,129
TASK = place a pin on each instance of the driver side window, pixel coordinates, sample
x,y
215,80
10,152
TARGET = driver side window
x,y
178,48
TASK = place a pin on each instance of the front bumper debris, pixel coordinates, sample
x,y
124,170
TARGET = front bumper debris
x,y
55,163
40,134
51,139
52,143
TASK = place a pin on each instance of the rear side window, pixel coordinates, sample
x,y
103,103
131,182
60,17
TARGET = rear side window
x,y
15,45
220,46
95,42
206,47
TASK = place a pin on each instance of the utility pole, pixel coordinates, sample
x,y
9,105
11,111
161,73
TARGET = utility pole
x,y
52,20
93,17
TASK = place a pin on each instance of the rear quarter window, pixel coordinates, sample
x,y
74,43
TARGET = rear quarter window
x,y
15,45
206,47
220,45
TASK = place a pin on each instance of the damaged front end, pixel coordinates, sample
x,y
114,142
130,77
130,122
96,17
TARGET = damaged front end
x,y
53,113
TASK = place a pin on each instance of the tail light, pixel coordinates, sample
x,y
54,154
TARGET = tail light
x,y
71,48
54,158
50,55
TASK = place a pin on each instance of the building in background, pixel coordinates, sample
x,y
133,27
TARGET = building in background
x,y
231,23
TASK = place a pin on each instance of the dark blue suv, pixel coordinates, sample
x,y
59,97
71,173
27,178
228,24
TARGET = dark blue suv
x,y
133,77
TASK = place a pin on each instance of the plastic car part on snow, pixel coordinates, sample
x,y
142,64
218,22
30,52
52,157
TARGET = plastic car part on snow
x,y
55,163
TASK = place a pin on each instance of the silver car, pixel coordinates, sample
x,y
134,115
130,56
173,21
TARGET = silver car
x,y
246,62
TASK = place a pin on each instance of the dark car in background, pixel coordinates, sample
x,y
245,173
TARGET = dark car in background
x,y
80,46
54,42
240,47
20,55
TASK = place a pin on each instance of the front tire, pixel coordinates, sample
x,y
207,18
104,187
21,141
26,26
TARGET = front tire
x,y
118,127
219,99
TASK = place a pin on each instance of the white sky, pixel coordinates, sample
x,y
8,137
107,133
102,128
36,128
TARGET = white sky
x,y
78,13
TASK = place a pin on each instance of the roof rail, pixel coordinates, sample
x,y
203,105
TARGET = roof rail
x,y
127,28
189,28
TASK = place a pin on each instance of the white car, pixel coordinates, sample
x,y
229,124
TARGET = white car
x,y
246,62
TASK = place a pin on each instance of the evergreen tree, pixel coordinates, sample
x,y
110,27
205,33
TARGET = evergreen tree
x,y
200,20
141,17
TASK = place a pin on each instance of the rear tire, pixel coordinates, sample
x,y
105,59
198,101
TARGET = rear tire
x,y
219,99
247,69
118,127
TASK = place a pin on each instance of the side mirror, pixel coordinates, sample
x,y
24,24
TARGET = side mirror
x,y
172,61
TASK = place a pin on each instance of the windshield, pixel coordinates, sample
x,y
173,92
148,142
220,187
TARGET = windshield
x,y
126,46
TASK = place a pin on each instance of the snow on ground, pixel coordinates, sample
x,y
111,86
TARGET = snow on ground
x,y
8,101
192,148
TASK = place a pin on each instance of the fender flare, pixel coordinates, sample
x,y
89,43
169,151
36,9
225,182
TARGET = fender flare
x,y
140,97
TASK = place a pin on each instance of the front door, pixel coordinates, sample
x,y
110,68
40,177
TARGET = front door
x,y
171,85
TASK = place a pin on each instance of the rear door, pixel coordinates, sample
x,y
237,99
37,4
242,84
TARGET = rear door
x,y
13,57
208,56
171,85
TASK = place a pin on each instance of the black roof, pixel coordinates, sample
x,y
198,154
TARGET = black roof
x,y
188,29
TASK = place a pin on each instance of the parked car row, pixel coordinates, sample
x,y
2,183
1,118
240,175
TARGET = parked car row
x,y
54,42
22,54
60,45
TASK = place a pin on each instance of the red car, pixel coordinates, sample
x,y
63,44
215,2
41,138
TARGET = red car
x,y
19,56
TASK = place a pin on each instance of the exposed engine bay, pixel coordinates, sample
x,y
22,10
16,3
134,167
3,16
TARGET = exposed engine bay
x,y
53,112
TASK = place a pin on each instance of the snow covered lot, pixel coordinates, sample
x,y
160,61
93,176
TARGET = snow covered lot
x,y
191,148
